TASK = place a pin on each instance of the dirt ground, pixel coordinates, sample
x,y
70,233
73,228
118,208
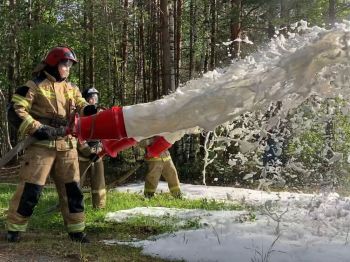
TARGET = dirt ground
x,y
10,252
39,247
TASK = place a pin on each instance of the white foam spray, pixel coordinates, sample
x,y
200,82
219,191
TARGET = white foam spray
x,y
313,61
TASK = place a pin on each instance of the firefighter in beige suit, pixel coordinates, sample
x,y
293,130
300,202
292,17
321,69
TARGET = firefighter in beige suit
x,y
88,158
41,109
159,164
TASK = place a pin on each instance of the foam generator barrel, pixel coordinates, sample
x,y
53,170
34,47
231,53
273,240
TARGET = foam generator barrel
x,y
107,124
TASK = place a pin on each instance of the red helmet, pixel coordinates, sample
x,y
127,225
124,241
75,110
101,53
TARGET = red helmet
x,y
59,53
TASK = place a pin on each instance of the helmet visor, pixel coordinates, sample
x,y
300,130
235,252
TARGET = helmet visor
x,y
67,63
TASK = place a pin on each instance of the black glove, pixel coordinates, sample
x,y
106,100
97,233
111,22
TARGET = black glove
x,y
90,110
93,143
140,161
94,157
49,132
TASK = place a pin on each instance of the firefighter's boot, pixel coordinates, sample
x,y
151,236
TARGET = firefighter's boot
x,y
149,194
13,236
79,237
177,195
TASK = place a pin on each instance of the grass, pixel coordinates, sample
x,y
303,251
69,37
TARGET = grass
x,y
46,232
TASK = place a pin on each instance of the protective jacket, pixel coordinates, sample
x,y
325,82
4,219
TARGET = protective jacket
x,y
50,103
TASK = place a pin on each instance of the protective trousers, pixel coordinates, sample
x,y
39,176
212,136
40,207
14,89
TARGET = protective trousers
x,y
97,181
161,167
34,171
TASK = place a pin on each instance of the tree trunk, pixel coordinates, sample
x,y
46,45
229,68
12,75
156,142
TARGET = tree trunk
x,y
91,28
332,12
172,47
270,16
85,39
115,68
154,52
143,76
135,52
212,59
124,52
236,6
284,14
108,48
192,29
207,37
178,37
167,64
5,144
12,50
284,10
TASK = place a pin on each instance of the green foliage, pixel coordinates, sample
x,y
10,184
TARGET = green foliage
x,y
322,134
308,146
60,22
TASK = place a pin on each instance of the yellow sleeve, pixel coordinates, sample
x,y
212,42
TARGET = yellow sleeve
x,y
80,102
22,106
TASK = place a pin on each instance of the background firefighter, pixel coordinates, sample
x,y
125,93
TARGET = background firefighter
x,y
88,151
159,163
41,108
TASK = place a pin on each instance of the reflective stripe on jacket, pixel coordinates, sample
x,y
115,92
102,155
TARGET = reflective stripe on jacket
x,y
161,158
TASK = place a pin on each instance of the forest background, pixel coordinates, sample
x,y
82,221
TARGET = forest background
x,y
138,51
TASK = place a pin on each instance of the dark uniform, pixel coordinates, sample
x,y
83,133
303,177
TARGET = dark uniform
x,y
87,151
